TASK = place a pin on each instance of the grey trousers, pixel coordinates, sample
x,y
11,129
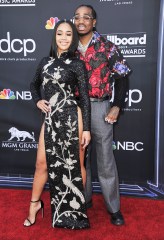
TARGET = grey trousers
x,y
102,135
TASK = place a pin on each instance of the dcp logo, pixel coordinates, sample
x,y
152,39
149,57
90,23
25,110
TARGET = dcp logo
x,y
134,96
17,45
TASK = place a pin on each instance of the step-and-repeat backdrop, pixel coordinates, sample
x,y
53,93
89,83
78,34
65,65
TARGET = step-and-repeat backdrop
x,y
25,37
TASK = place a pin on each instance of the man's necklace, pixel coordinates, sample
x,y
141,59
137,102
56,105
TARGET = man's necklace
x,y
83,48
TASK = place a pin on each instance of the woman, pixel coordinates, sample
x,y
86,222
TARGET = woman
x,y
65,132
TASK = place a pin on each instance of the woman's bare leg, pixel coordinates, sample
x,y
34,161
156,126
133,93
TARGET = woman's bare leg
x,y
40,178
81,151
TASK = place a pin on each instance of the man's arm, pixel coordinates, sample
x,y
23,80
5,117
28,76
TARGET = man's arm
x,y
119,98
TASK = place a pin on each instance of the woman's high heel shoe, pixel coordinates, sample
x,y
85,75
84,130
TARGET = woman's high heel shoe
x,y
42,210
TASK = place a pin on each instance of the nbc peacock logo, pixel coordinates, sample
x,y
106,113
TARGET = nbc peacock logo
x,y
7,94
50,24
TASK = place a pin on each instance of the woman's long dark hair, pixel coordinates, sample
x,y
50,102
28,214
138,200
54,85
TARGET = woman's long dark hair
x,y
75,39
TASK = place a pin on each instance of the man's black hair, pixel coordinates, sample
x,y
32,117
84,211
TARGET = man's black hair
x,y
94,14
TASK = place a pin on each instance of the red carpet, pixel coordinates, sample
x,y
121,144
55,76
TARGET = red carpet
x,y
144,220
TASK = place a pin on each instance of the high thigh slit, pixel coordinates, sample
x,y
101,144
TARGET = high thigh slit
x,y
59,78
81,150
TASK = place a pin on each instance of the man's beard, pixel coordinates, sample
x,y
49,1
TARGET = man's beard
x,y
84,34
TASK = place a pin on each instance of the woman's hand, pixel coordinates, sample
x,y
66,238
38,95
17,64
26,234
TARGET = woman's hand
x,y
112,115
44,106
86,138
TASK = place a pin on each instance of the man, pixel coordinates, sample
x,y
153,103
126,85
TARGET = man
x,y
104,63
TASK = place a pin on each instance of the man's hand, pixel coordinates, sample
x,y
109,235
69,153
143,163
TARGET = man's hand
x,y
112,115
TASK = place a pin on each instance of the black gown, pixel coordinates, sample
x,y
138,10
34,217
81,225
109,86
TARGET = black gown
x,y
59,78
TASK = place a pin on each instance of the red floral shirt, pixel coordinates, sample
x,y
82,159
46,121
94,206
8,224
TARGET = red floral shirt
x,y
104,64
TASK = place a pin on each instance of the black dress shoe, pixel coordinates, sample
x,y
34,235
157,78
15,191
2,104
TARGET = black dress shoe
x,y
89,204
117,218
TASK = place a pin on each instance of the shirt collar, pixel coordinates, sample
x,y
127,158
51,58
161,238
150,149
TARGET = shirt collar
x,y
95,38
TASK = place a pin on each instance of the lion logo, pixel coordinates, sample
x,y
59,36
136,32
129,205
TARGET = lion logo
x,y
15,133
